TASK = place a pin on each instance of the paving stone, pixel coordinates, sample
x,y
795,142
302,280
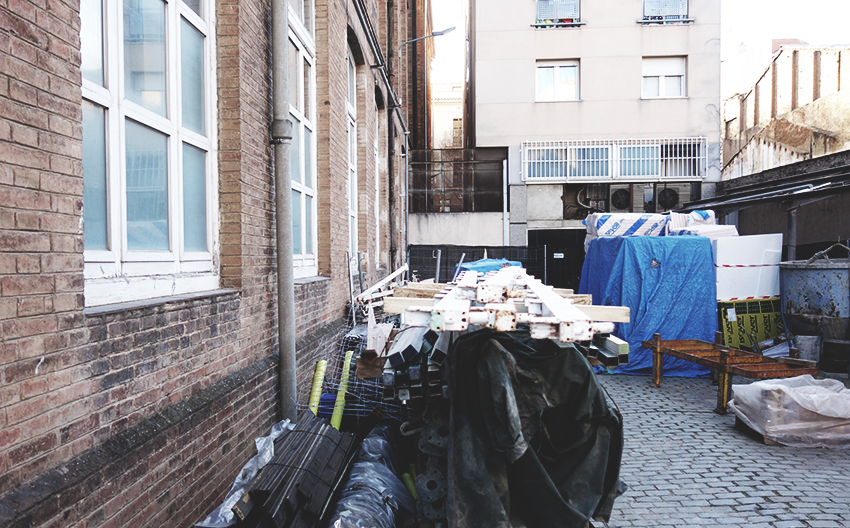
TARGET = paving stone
x,y
689,467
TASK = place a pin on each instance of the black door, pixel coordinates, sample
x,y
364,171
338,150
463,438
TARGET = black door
x,y
564,255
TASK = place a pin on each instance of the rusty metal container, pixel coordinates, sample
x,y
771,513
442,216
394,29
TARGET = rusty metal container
x,y
816,301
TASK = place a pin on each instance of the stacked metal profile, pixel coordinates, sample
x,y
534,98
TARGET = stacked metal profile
x,y
295,487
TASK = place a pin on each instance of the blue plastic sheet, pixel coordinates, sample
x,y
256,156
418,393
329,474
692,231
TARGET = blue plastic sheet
x,y
488,265
669,284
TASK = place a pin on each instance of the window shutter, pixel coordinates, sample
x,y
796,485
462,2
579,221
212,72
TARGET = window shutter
x,y
545,9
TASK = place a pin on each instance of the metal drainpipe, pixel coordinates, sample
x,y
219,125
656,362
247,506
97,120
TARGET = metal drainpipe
x,y
281,138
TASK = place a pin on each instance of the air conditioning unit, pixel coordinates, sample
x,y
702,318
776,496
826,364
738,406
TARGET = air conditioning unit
x,y
621,199
668,198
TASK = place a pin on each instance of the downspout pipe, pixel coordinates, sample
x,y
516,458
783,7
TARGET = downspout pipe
x,y
281,139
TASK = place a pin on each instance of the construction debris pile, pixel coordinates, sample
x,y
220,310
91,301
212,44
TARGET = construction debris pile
x,y
493,416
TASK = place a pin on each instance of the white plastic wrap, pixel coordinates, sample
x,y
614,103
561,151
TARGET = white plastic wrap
x,y
223,516
799,412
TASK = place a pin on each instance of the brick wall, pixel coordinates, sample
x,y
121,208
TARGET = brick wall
x,y
141,414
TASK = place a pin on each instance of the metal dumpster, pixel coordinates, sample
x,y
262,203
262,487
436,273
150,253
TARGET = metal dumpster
x,y
816,301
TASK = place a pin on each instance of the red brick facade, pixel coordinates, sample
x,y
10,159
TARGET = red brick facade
x,y
140,414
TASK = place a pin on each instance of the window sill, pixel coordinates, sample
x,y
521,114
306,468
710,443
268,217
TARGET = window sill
x,y
557,25
310,280
666,22
643,98
147,303
560,101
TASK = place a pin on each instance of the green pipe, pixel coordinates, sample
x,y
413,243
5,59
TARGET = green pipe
x,y
339,405
316,391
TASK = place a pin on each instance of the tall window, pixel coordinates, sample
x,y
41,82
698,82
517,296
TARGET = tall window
x,y
663,77
303,13
557,12
351,107
377,189
557,81
148,158
661,11
302,113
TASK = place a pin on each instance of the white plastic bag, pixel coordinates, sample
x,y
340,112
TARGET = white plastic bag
x,y
801,411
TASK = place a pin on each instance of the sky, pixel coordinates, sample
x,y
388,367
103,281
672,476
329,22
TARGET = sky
x,y
747,28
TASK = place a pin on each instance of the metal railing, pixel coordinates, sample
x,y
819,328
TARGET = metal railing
x,y
554,13
626,160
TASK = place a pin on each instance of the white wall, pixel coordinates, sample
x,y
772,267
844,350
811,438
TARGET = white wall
x,y
462,229
609,48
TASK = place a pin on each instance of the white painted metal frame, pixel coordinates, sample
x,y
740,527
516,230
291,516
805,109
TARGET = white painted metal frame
x,y
616,160
119,274
502,300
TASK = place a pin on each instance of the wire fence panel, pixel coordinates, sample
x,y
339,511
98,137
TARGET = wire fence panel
x,y
423,259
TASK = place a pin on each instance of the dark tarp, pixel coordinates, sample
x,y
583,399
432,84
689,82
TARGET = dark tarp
x,y
532,435
669,285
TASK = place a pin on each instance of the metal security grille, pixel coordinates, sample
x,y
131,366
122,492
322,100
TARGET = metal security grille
x,y
628,160
554,10
457,180
663,9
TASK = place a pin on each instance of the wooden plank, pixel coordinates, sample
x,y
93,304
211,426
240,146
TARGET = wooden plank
x,y
564,291
579,299
419,290
613,314
397,305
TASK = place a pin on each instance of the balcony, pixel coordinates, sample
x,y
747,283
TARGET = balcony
x,y
620,160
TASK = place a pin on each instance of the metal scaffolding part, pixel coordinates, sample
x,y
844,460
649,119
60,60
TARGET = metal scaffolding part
x,y
501,300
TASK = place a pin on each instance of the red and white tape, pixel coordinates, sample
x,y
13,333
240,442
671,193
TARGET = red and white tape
x,y
744,265
748,298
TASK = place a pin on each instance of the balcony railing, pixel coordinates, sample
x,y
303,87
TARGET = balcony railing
x,y
625,160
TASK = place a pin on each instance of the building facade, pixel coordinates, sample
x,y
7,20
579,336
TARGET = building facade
x,y
138,291
797,110
603,106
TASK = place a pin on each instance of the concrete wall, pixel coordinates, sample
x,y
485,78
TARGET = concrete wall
x,y
797,110
459,229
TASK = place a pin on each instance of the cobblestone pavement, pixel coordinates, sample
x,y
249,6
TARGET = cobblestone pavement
x,y
688,467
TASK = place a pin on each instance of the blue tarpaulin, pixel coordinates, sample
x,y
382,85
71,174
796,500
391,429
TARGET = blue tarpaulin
x,y
669,285
488,265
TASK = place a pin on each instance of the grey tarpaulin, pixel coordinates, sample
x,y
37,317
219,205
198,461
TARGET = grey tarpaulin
x,y
532,435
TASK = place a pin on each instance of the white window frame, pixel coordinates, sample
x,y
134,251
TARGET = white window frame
x,y
665,10
560,10
377,189
351,108
557,65
118,274
663,68
303,117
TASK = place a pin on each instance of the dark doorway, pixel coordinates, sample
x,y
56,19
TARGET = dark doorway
x,y
564,255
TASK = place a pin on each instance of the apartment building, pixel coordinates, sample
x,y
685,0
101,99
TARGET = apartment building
x,y
604,105
138,275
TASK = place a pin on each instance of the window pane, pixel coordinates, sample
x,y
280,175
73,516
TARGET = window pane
x,y
147,188
94,176
192,72
352,76
144,53
91,40
194,199
673,86
545,84
194,5
352,194
308,96
308,158
566,87
295,151
296,5
650,86
296,222
294,100
308,224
